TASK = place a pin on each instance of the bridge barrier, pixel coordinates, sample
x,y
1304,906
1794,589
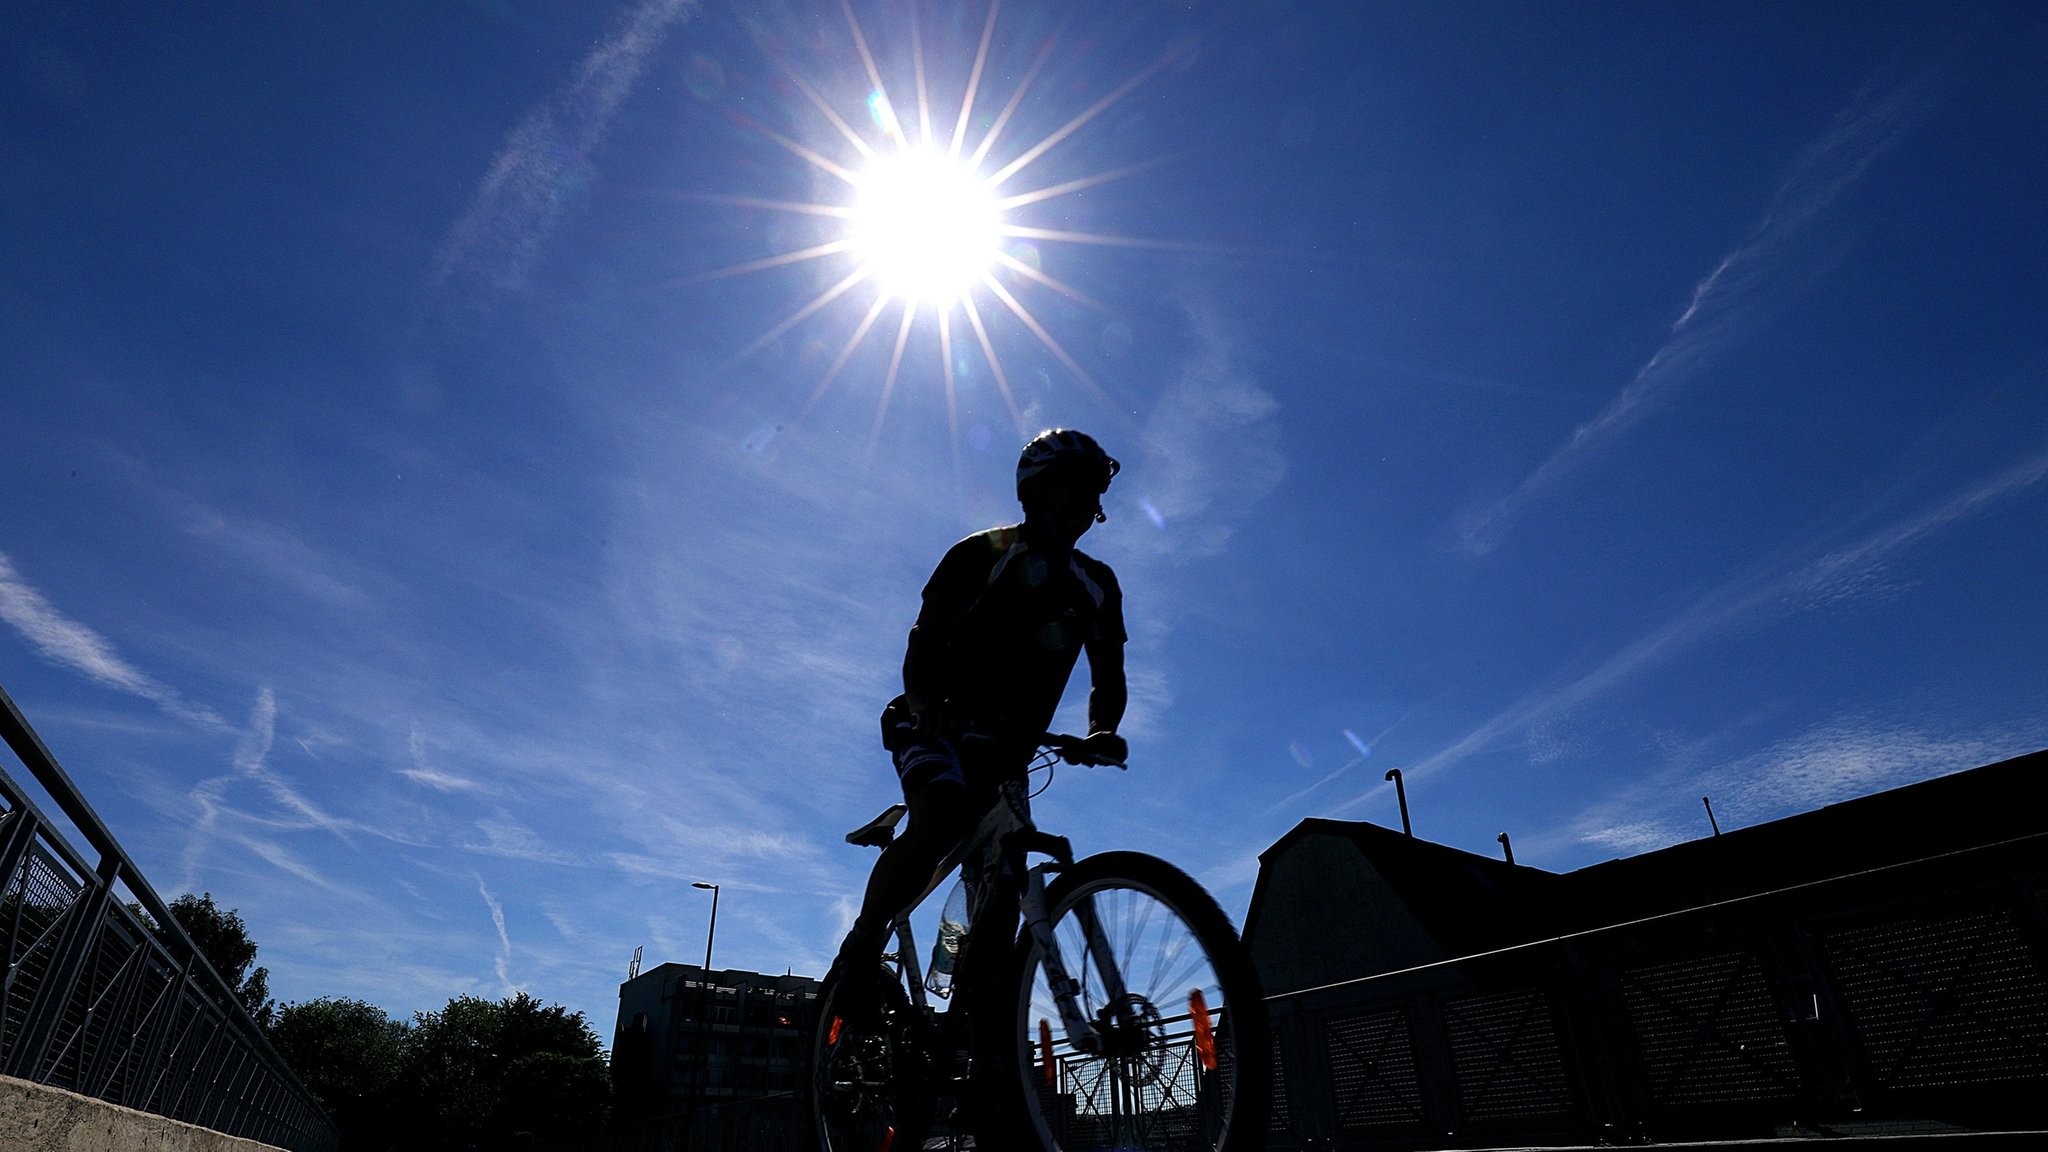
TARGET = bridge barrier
x,y
1911,998
93,1001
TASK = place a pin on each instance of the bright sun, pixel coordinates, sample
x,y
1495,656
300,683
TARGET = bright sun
x,y
924,225
930,226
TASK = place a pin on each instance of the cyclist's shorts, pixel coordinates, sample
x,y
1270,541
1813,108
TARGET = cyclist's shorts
x,y
972,762
925,762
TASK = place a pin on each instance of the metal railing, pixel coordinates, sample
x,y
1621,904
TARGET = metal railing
x,y
1905,996
1159,1101
94,1001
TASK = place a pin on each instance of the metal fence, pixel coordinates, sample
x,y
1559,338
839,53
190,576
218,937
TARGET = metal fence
x,y
93,1001
1895,999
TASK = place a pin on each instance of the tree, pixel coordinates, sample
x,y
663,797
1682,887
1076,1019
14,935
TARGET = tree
x,y
350,1054
511,1074
224,940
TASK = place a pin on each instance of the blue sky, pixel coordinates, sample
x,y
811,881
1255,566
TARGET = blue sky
x,y
423,530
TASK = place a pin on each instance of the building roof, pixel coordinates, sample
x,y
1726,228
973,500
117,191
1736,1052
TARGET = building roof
x,y
658,979
1967,809
1338,900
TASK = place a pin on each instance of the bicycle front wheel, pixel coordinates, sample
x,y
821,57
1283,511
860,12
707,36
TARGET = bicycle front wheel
x,y
1184,1050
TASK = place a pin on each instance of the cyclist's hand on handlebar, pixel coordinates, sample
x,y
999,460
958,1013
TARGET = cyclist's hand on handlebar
x,y
1102,748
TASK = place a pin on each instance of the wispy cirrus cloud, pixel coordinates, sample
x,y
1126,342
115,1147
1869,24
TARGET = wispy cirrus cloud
x,y
1856,570
1738,295
507,837
255,826
252,762
546,158
427,775
1841,759
1211,451
70,644
277,553
1849,757
502,962
1804,582
1212,445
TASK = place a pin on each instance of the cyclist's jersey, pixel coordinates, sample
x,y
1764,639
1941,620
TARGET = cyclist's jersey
x,y
1002,625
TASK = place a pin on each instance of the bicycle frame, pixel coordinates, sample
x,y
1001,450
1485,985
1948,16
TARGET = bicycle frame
x,y
1007,830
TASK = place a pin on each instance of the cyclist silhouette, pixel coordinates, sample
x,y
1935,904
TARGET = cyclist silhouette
x,y
1005,616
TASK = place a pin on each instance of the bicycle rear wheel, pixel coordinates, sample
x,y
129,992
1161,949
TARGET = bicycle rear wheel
x,y
870,1073
1186,1061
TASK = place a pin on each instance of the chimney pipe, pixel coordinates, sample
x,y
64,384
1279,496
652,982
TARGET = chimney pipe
x,y
1401,791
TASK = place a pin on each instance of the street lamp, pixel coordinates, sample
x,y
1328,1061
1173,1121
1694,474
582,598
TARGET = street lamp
x,y
710,1003
713,934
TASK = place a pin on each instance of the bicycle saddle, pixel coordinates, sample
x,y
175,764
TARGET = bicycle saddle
x,y
878,832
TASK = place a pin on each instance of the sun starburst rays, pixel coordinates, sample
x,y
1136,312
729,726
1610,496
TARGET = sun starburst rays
x,y
929,228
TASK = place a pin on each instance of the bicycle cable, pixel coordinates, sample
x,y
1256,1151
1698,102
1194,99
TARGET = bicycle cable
x,y
1043,762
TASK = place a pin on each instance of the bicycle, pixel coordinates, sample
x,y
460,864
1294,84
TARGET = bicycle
x,y
1162,1034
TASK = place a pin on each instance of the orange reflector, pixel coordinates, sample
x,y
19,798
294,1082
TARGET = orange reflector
x,y
1045,1043
1205,1036
888,1138
832,1036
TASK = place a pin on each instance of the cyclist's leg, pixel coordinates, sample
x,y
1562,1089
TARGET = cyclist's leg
x,y
986,763
935,790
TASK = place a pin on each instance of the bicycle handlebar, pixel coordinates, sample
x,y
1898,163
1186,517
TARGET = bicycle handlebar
x,y
1069,749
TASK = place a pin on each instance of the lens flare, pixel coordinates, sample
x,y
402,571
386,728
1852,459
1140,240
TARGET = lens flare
x,y
925,225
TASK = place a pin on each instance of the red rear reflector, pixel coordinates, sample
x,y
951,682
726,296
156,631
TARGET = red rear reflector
x,y
832,1036
888,1138
1205,1036
1045,1044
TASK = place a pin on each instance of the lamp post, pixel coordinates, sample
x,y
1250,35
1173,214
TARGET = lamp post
x,y
710,1002
713,934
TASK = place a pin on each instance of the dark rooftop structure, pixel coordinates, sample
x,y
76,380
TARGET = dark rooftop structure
x,y
1881,961
1337,900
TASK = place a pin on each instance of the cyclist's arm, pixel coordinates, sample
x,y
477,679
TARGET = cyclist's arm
x,y
927,671
1107,693
923,661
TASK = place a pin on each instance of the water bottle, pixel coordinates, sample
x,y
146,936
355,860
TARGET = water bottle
x,y
946,949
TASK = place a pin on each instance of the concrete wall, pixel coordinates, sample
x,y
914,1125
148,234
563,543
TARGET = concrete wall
x,y
37,1118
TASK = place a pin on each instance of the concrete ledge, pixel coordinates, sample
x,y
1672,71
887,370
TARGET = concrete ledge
x,y
38,1118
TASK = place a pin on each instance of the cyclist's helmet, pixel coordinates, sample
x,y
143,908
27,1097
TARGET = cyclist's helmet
x,y
1064,452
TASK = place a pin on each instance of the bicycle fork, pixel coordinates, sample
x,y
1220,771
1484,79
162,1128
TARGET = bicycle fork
x,y
1082,1034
